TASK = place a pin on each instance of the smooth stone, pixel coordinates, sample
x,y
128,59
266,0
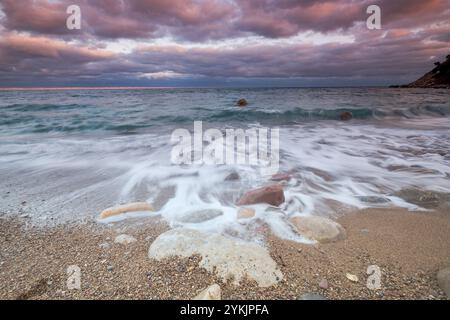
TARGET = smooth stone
x,y
319,228
374,199
443,278
124,239
273,195
213,292
352,277
424,198
312,296
131,207
323,284
200,216
246,213
230,259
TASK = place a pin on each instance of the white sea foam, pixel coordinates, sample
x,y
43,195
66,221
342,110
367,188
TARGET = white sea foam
x,y
329,163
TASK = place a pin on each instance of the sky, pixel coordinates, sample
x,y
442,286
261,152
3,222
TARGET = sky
x,y
220,43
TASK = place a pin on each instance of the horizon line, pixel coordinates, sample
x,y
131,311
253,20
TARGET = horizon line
x,y
171,87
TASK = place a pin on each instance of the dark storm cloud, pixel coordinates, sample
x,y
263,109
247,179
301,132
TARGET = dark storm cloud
x,y
35,45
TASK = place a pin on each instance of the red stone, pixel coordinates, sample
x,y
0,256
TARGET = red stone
x,y
272,195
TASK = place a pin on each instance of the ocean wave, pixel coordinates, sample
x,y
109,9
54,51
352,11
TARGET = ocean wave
x,y
46,118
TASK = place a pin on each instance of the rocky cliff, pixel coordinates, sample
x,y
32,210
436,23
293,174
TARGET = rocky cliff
x,y
439,77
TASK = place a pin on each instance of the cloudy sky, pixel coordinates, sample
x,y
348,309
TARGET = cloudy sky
x,y
220,42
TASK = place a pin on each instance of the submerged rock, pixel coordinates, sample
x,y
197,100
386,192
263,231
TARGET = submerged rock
x,y
424,198
126,208
319,228
443,278
124,239
231,259
373,199
213,292
273,195
200,216
234,176
246,213
242,103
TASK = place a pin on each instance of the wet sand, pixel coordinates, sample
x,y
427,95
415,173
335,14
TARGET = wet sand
x,y
409,248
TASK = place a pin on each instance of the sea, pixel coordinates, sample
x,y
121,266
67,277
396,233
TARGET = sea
x,y
68,154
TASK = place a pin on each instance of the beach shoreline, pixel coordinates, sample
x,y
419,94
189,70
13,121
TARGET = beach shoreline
x,y
408,247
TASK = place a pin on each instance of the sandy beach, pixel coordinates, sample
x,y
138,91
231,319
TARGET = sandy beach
x,y
409,248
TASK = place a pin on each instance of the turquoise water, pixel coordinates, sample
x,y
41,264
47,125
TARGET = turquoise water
x,y
69,154
136,111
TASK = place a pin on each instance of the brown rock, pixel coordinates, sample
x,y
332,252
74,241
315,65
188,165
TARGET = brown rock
x,y
242,103
272,195
346,115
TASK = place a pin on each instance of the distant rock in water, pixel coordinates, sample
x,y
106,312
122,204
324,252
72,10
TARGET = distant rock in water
x,y
439,77
242,103
346,116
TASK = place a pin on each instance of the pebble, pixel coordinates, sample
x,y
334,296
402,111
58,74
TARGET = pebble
x,y
105,245
124,239
352,277
323,284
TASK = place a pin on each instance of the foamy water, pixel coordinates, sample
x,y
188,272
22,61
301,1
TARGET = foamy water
x,y
90,160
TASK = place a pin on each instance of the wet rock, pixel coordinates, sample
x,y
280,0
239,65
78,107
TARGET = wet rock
x,y
319,228
200,216
312,296
346,116
273,195
424,198
374,199
213,292
281,177
246,213
443,278
131,207
234,176
124,239
242,103
229,258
